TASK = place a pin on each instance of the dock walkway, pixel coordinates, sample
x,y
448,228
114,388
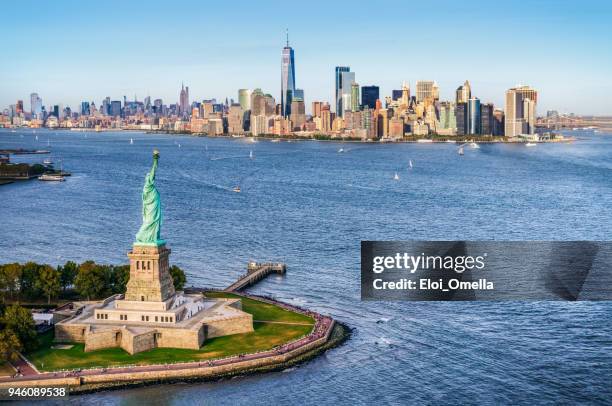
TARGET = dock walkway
x,y
255,272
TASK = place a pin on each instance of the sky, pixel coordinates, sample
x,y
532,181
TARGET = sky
x,y
71,51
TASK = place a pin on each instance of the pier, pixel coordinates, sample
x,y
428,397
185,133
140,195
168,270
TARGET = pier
x,y
256,271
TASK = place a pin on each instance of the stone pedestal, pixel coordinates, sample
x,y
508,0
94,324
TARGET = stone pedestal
x,y
150,279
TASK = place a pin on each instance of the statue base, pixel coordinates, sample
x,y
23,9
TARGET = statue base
x,y
150,279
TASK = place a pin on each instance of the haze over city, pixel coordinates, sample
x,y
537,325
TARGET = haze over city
x,y
70,52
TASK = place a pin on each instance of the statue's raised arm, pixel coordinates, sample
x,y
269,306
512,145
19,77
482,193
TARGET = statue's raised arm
x,y
149,233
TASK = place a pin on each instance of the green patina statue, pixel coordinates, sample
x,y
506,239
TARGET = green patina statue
x,y
149,233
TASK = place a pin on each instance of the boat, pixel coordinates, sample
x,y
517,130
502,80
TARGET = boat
x,y
51,177
531,144
251,154
276,140
131,141
474,145
451,141
424,141
341,150
37,138
236,189
13,131
460,151
396,177
47,161
410,164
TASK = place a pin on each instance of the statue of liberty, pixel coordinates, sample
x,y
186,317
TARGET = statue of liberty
x,y
149,233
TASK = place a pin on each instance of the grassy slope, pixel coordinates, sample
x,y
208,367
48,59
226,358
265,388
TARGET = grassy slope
x,y
265,336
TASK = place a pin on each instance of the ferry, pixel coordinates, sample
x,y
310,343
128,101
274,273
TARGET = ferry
x,y
51,177
531,144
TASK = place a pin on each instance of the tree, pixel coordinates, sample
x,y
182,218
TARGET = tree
x,y
27,284
120,275
10,275
178,277
92,280
48,281
68,273
19,319
9,345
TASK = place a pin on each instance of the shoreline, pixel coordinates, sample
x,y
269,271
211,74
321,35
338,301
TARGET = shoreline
x,y
412,140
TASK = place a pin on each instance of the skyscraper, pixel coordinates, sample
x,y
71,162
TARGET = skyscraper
x,y
287,78
354,97
464,93
244,98
348,78
424,90
486,119
473,116
184,100
369,95
520,111
35,105
461,117
85,110
339,71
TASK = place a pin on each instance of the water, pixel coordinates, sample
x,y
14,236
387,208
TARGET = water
x,y
308,205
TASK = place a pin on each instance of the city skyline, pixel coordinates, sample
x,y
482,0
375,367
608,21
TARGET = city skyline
x,y
216,63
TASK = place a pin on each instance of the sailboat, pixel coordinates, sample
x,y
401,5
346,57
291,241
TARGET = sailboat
x,y
396,177
460,150
410,164
474,145
131,141
341,150
37,138
251,154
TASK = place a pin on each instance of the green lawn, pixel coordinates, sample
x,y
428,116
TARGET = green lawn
x,y
265,337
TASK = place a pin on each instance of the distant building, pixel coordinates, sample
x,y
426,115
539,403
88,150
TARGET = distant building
x,y
461,117
184,100
234,119
520,111
355,97
425,90
244,98
369,95
36,105
298,114
115,108
486,119
85,110
498,122
464,93
448,120
348,78
287,79
396,94
316,108
473,116
338,94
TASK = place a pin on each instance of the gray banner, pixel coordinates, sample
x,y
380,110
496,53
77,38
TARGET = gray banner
x,y
486,270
